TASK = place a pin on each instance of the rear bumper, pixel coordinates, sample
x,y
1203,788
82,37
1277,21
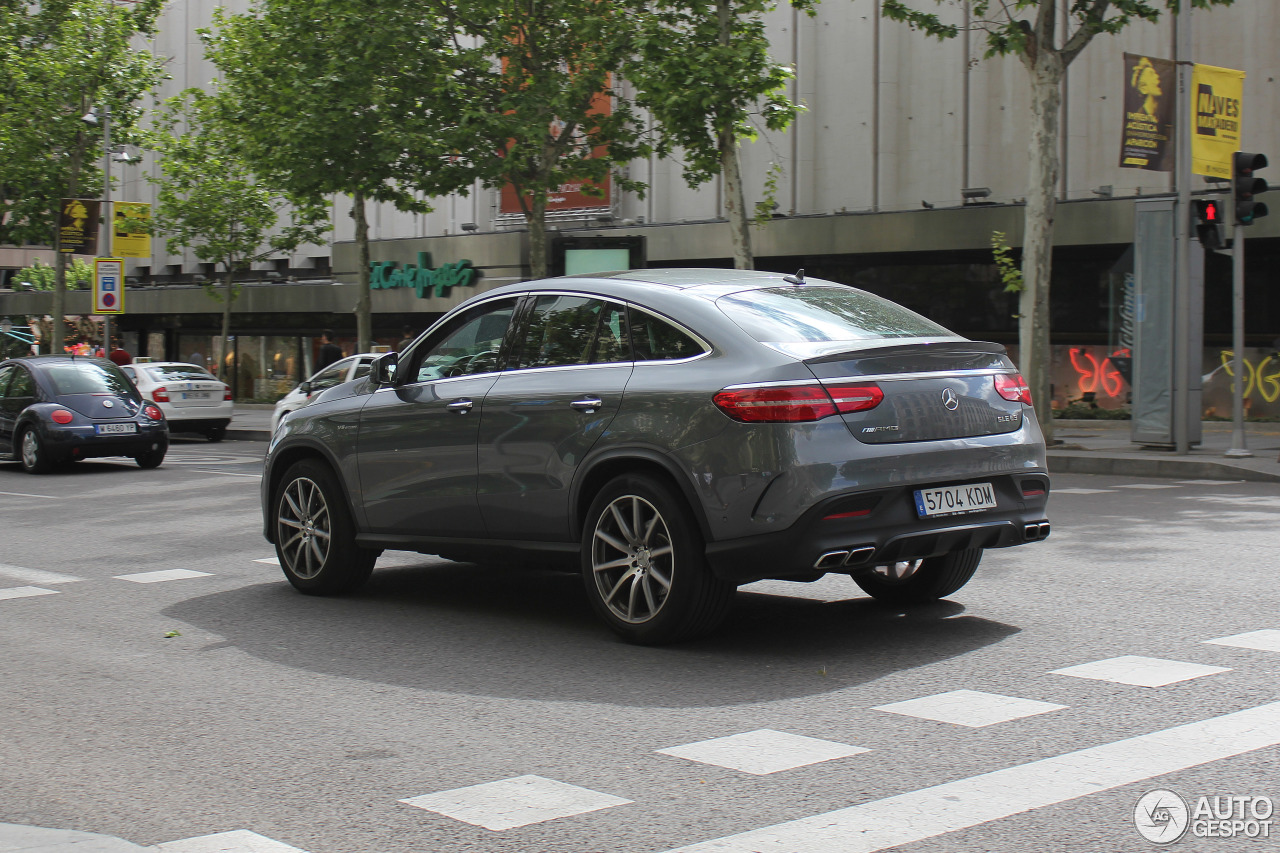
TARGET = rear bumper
x,y
81,444
889,531
197,424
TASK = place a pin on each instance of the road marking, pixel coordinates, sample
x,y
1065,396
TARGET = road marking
x,y
1147,486
763,752
270,561
1266,640
25,592
236,841
970,708
1082,491
35,576
510,803
226,473
158,577
1207,482
25,495
1140,671
929,812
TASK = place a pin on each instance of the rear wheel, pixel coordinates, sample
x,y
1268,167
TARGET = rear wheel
x,y
314,533
644,564
35,459
152,458
216,434
920,581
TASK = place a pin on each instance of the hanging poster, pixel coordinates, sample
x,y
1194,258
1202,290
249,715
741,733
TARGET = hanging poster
x,y
1150,85
130,237
1219,95
78,225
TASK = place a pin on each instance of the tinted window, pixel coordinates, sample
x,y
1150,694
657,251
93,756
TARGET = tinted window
x,y
819,314
5,373
85,377
330,376
23,384
612,342
177,372
655,339
560,330
469,345
362,369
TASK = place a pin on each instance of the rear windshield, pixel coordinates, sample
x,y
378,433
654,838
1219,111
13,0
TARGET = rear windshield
x,y
86,377
173,372
823,314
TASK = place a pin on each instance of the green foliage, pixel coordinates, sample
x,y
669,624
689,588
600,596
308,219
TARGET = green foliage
x,y
58,58
1010,273
40,276
766,204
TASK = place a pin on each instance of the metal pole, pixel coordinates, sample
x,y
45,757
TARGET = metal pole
x,y
104,245
1239,447
1182,343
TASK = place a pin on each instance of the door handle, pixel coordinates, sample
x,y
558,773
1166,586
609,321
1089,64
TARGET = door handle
x,y
460,406
587,406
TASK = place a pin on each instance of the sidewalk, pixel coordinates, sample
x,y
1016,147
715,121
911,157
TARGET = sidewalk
x,y
1088,447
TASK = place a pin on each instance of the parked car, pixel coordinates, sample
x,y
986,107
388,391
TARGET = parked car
x,y
56,408
192,398
343,370
676,433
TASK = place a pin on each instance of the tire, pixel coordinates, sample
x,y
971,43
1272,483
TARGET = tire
x,y
216,434
32,453
152,458
929,579
314,533
646,597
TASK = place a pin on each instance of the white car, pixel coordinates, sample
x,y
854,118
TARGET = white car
x,y
192,398
342,370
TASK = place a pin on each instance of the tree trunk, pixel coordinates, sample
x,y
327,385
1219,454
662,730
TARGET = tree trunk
x,y
1037,247
364,301
735,202
538,234
57,340
228,294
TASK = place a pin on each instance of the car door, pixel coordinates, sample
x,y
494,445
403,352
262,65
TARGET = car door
x,y
416,451
7,417
564,383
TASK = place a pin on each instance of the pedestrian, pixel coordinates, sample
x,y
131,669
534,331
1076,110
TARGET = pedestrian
x,y
119,354
329,351
406,339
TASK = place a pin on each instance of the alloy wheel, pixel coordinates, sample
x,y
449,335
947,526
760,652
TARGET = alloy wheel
x,y
898,572
30,450
303,527
632,559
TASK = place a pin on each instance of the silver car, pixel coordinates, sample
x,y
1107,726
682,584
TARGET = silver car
x,y
673,434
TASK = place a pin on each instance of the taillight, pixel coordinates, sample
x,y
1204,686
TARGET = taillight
x,y
226,395
1013,388
160,395
61,416
153,412
795,403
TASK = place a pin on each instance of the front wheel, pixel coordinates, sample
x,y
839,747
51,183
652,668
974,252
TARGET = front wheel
x,y
921,581
314,534
644,564
35,459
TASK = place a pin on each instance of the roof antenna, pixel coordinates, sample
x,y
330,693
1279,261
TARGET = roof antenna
x,y
798,278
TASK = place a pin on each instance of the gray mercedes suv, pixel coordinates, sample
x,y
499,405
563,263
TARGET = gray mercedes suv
x,y
673,434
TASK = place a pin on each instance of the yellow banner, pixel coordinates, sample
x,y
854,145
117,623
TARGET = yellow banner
x,y
130,238
1218,94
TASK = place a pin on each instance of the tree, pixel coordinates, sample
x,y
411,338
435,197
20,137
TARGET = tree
x,y
78,276
57,59
545,112
704,73
1028,29
211,203
353,106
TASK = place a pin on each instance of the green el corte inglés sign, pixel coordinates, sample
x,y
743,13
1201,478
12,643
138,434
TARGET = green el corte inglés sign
x,y
428,282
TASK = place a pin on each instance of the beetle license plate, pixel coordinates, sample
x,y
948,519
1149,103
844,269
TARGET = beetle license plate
x,y
955,500
105,429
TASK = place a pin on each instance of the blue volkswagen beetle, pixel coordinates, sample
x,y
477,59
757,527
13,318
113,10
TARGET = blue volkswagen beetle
x,y
56,408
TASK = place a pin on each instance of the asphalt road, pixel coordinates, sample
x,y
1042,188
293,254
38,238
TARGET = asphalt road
x,y
213,699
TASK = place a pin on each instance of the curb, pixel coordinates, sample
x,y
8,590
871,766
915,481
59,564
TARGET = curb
x,y
1090,462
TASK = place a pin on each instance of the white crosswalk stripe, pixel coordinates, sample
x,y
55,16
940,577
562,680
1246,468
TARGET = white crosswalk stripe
x,y
236,841
25,592
35,576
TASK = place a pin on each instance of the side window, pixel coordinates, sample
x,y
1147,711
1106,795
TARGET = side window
x,y
467,346
563,330
129,371
362,369
654,339
5,374
613,343
24,386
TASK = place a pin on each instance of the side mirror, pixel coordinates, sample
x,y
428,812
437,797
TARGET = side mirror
x,y
384,368
305,387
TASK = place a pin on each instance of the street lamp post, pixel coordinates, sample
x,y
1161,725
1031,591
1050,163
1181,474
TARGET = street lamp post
x,y
102,115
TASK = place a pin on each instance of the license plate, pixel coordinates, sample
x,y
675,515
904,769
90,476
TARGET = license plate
x,y
195,395
104,429
955,500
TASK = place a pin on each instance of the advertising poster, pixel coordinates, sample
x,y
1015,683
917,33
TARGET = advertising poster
x,y
78,225
1218,94
129,237
1150,87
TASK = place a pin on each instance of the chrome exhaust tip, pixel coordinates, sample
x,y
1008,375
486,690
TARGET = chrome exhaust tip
x,y
831,560
1044,530
859,555
1031,533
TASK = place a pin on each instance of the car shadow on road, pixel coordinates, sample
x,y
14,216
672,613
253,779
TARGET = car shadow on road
x,y
531,634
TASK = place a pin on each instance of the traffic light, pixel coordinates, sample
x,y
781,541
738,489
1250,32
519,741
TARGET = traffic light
x,y
1209,222
1245,186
